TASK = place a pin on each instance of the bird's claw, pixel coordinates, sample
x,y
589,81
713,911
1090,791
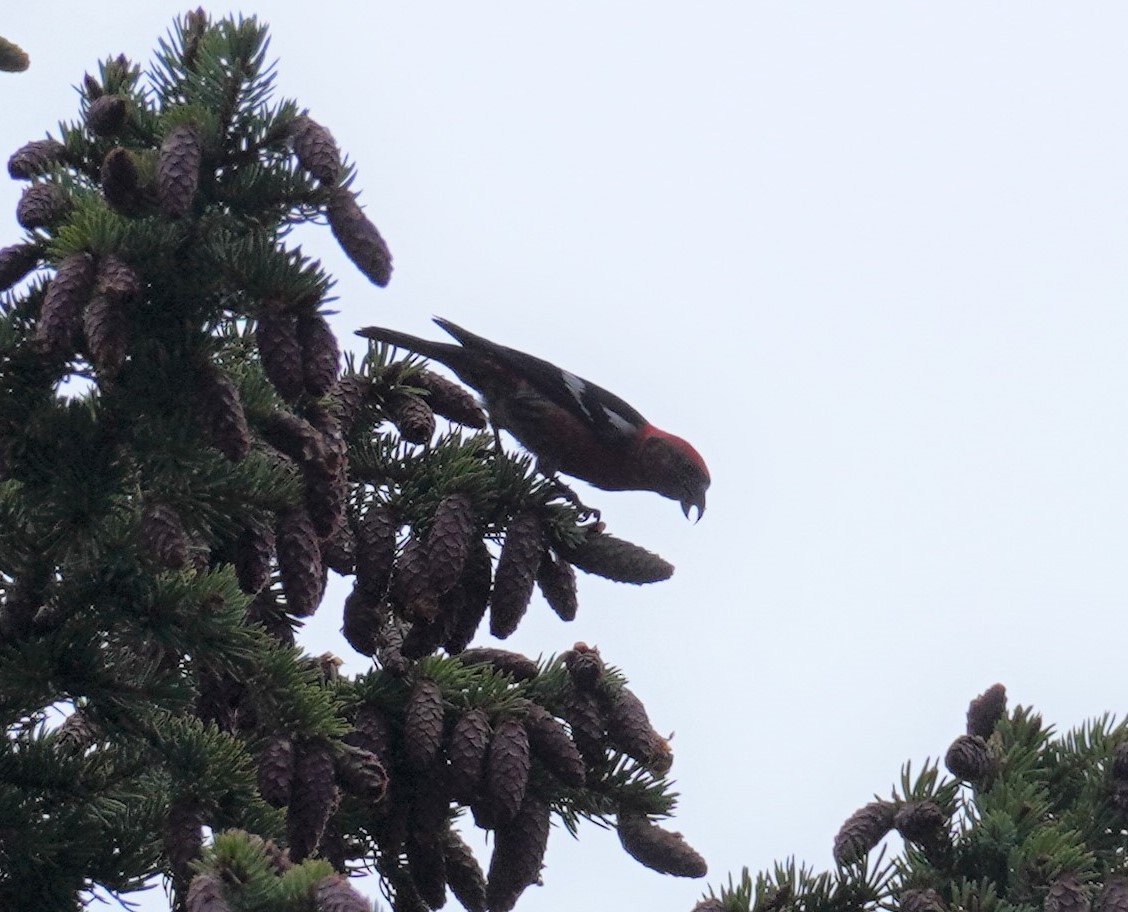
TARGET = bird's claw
x,y
586,512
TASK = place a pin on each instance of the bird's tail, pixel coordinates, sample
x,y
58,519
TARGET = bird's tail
x,y
454,356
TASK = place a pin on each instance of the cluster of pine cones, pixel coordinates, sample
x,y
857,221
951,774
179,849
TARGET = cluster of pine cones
x,y
410,755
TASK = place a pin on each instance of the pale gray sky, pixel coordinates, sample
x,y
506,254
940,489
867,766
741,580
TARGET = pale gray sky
x,y
868,257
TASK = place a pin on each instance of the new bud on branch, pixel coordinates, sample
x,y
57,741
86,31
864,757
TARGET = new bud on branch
x,y
570,424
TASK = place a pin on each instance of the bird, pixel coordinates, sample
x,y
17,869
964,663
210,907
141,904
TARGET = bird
x,y
569,424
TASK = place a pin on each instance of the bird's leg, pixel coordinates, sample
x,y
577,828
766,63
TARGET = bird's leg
x,y
573,498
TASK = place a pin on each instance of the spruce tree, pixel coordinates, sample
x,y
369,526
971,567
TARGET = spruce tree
x,y
182,463
1029,820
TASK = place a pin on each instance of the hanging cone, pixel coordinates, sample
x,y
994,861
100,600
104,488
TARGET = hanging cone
x,y
363,620
617,560
659,849
321,357
589,727
315,149
926,900
553,746
412,417
449,540
254,550
223,414
557,582
121,180
35,158
276,771
464,874
423,726
375,548
519,848
516,573
426,863
358,237
372,733
16,262
314,798
863,830
507,770
206,895
299,562
1067,894
518,667
335,894
60,318
42,206
473,596
412,589
347,398
1113,896
361,773
450,400
585,666
919,821
629,728
280,352
178,170
466,751
163,537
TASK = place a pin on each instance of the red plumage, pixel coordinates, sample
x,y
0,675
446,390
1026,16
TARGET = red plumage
x,y
570,424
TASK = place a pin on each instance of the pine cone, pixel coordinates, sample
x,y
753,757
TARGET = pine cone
x,y
926,900
450,400
299,562
412,417
448,543
968,758
1067,894
423,726
295,437
553,746
163,536
35,158
585,666
423,638
42,206
507,771
104,320
1120,762
280,352
464,875
315,148
16,262
13,58
863,830
107,115
473,596
363,619
276,771
583,714
659,849
254,550
326,493
335,894
466,750
986,710
516,574
348,397
121,180
919,821
375,548
518,667
60,319
712,904
222,410
178,170
321,358
314,798
338,551
629,728
183,838
617,560
361,773
557,582
372,733
206,895
358,237
426,862
412,589
518,854
1113,896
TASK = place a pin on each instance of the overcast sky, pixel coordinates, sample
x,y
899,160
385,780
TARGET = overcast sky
x,y
868,257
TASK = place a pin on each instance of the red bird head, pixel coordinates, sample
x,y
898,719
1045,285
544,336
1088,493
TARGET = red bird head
x,y
674,469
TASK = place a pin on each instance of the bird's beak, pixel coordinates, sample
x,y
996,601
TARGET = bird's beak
x,y
698,501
